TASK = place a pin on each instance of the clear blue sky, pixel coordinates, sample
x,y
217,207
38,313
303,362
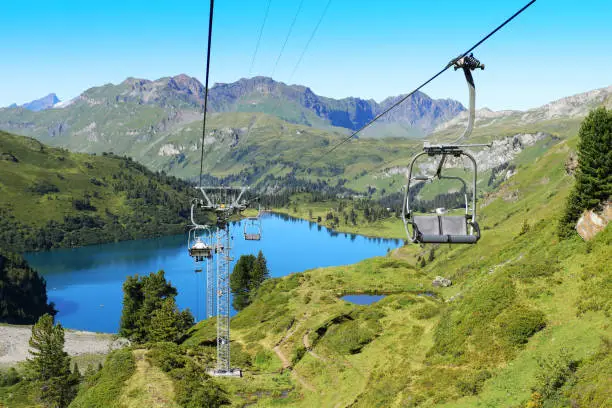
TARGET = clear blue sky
x,y
370,49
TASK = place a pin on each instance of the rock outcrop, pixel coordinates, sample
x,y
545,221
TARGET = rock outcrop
x,y
591,222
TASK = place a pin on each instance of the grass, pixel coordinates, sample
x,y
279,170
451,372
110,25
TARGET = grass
x,y
147,387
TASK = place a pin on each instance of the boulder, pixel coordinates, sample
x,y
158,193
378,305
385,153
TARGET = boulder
x,y
441,281
591,222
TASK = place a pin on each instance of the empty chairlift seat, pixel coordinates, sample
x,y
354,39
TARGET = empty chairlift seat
x,y
252,229
439,229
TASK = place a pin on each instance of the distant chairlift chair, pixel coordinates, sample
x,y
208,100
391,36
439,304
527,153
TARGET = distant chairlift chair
x,y
252,229
440,228
198,248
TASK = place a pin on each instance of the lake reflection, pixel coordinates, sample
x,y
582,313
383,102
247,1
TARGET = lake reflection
x,y
86,283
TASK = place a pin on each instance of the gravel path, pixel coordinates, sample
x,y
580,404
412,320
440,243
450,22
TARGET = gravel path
x,y
14,343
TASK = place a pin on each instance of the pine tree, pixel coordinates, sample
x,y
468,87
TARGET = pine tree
x,y
50,365
165,322
259,273
240,281
594,175
142,297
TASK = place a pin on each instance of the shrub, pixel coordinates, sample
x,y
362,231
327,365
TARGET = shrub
x,y
517,324
167,356
427,311
10,377
43,187
472,384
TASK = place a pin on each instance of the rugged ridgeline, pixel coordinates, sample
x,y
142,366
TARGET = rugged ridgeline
x,y
158,123
50,197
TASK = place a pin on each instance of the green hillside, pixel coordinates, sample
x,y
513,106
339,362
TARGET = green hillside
x,y
50,197
526,322
519,303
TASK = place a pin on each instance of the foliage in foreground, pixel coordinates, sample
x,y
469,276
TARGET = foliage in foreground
x,y
101,390
193,387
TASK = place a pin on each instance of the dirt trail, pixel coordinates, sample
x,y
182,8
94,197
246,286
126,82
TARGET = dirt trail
x,y
287,363
309,349
14,343
148,386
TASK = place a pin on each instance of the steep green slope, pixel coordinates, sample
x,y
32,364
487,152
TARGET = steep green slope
x,y
50,197
527,318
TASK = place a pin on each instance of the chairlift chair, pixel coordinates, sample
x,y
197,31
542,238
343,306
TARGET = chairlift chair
x,y
198,248
439,227
252,229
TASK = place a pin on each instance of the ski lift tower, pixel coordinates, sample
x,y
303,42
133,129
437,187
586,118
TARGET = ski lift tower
x,y
224,201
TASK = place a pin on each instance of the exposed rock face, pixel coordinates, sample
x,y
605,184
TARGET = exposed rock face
x,y
440,281
591,222
501,152
168,150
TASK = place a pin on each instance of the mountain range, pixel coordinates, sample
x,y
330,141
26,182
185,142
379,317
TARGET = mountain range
x,y
292,103
259,127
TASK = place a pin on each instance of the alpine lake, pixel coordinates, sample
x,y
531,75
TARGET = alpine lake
x,y
86,283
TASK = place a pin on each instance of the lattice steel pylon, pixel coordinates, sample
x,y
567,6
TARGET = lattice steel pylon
x,y
223,300
210,289
224,201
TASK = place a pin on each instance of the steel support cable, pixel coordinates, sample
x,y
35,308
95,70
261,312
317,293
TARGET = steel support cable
x,y
263,24
310,39
276,63
297,13
210,24
346,139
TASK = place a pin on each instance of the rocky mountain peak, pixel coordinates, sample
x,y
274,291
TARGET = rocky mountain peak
x,y
43,103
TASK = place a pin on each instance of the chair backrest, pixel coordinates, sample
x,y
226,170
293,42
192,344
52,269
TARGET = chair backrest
x,y
453,225
427,224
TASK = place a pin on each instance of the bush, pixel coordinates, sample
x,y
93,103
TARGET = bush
x,y
43,187
526,270
167,356
427,311
472,384
517,324
10,377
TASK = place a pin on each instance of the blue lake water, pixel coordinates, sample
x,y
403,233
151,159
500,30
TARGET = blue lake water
x,y
362,299
86,283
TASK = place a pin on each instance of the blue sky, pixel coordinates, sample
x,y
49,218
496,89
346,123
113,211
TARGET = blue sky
x,y
370,49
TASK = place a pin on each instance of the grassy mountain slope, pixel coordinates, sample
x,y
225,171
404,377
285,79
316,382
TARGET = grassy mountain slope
x,y
51,197
525,313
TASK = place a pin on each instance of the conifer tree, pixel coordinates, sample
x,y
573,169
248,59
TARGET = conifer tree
x,y
165,322
142,297
50,364
594,174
